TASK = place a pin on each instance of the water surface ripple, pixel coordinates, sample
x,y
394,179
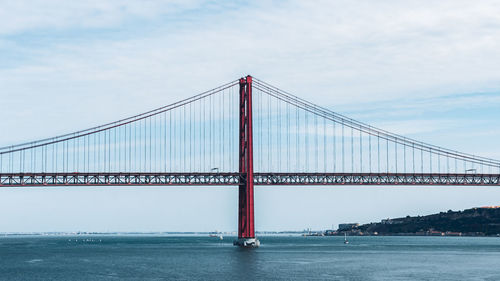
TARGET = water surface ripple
x,y
124,257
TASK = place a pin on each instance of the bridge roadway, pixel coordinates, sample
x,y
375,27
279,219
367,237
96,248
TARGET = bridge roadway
x,y
228,179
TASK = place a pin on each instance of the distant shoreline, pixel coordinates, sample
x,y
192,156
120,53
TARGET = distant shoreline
x,y
206,234
474,222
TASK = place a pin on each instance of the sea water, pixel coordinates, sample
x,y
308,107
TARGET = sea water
x,y
163,257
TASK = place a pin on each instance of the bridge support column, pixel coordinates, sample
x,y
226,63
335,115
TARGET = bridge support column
x,y
246,227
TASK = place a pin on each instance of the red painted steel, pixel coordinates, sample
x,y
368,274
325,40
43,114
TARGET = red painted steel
x,y
246,226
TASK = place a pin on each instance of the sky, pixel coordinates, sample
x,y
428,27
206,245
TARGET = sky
x,y
424,69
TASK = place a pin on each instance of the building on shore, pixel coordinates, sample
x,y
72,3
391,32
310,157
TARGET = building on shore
x,y
348,226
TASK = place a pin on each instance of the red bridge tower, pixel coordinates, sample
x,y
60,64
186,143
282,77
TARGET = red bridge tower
x,y
246,226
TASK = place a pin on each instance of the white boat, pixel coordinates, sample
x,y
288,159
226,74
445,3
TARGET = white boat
x,y
345,238
216,234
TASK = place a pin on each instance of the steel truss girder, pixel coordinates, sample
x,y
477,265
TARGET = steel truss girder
x,y
118,179
226,179
403,179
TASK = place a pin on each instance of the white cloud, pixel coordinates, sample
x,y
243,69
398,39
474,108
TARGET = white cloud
x,y
331,52
417,127
22,16
411,108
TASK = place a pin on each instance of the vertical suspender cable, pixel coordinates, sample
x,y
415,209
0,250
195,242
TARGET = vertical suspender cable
x,y
421,158
155,140
324,145
334,148
396,153
370,149
378,152
404,155
54,156
190,139
46,157
126,148
135,147
129,147
88,153
343,148
223,122
230,124
261,132
96,151
413,156
76,144
297,141
20,161
269,169
316,143
456,165
221,130
145,142
439,162
204,133
352,149
159,142
278,131
178,140
170,140
447,163
288,137
387,152
184,143
306,130
200,139
210,133
360,150
105,149
118,149
109,150
118,164
173,146
430,160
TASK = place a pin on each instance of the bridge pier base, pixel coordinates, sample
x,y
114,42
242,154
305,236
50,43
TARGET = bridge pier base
x,y
247,242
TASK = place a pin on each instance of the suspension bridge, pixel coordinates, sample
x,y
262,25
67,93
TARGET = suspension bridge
x,y
243,133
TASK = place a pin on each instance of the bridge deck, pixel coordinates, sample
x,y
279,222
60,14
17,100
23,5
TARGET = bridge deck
x,y
228,179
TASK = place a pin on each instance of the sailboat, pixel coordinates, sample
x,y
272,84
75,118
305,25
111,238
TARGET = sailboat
x,y
345,238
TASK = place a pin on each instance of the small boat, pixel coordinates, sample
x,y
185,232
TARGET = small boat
x,y
216,234
345,239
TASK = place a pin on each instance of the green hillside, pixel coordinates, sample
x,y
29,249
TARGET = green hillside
x,y
476,221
